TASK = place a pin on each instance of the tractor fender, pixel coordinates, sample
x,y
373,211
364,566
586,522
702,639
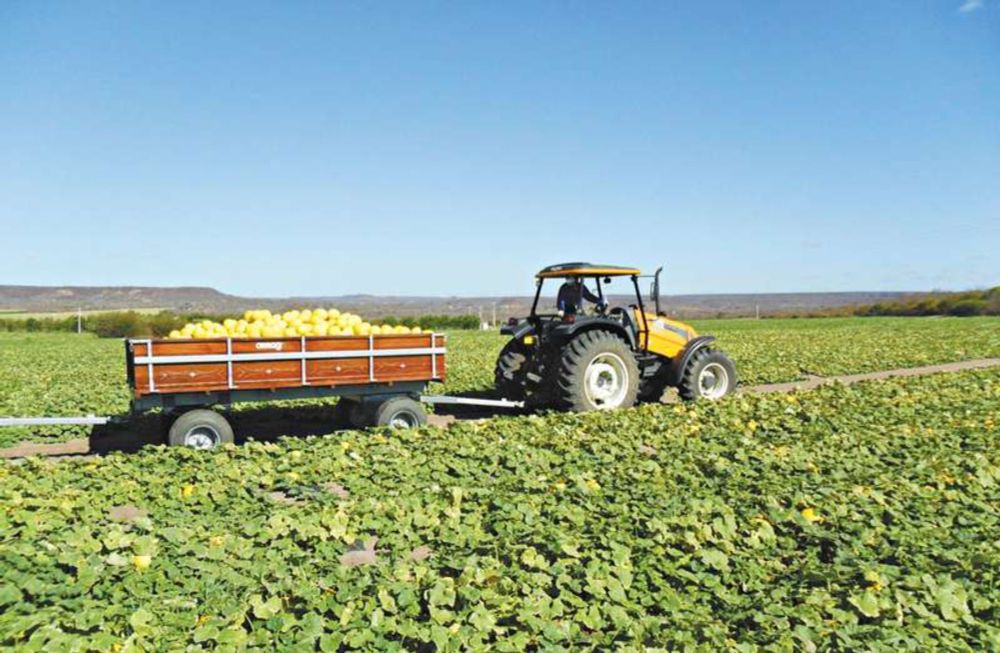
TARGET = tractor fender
x,y
520,330
570,331
681,361
517,330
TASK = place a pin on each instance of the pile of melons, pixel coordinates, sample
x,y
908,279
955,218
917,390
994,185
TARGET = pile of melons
x,y
306,322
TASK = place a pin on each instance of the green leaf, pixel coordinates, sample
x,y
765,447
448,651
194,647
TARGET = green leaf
x,y
9,594
715,558
265,609
141,622
866,603
952,600
442,593
235,636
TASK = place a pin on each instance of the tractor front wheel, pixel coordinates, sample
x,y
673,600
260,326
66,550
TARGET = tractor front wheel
x,y
710,374
597,371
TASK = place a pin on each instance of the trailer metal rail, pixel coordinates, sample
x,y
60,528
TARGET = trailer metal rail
x,y
370,353
471,401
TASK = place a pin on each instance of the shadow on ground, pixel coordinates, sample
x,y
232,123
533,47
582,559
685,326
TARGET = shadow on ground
x,y
262,424
268,423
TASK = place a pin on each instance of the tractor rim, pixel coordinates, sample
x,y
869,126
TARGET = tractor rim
x,y
202,437
713,381
605,382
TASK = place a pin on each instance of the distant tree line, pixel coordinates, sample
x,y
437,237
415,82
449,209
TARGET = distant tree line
x,y
130,324
443,322
962,304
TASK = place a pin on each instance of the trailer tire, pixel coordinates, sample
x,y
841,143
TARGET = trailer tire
x,y
400,412
200,429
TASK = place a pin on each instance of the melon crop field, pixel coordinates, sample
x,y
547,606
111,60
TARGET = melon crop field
x,y
850,518
861,517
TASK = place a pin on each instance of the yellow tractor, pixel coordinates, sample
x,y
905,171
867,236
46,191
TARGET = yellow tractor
x,y
608,358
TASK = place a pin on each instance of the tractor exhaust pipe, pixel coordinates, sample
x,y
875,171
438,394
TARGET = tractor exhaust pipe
x,y
654,291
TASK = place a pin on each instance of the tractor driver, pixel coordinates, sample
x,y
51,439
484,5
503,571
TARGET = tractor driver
x,y
571,296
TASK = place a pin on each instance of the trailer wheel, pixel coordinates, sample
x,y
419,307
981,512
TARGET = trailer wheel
x,y
400,413
200,429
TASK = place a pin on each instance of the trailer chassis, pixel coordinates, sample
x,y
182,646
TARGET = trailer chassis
x,y
205,428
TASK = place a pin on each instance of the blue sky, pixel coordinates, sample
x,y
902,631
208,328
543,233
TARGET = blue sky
x,y
313,148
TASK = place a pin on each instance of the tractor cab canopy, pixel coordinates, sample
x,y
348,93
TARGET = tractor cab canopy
x,y
580,269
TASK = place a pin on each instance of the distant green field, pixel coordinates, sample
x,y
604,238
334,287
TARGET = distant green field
x,y
66,374
769,351
56,315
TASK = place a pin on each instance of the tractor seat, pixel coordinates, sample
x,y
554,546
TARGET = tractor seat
x,y
625,317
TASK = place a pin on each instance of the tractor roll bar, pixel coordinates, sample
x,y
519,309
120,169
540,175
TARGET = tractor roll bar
x,y
642,311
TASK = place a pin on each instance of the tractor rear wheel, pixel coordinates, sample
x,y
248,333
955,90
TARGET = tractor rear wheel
x,y
710,374
510,369
597,371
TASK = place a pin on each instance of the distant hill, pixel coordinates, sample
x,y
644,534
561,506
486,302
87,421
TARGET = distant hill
x,y
200,299
67,298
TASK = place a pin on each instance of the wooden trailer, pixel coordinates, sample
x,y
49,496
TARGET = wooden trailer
x,y
379,377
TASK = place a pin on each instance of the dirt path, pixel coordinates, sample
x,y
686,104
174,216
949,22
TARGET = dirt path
x,y
815,381
82,446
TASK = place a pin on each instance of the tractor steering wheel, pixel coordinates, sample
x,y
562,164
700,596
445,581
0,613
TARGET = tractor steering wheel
x,y
624,317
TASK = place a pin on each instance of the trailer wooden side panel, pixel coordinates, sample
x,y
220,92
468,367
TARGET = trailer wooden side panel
x,y
185,366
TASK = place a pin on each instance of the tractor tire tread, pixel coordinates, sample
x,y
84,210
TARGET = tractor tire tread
x,y
576,355
688,386
508,371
